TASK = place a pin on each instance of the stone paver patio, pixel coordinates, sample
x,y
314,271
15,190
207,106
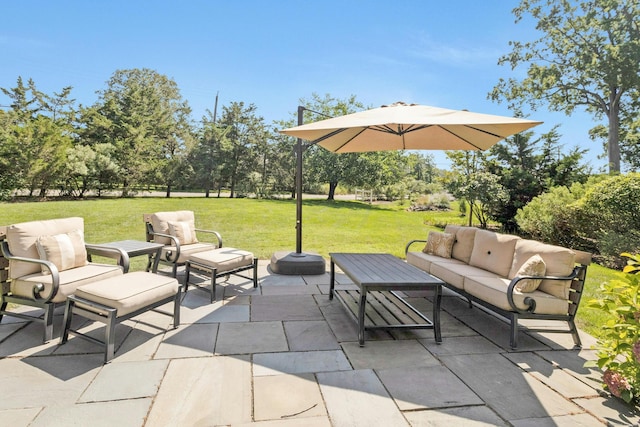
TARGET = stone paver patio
x,y
284,355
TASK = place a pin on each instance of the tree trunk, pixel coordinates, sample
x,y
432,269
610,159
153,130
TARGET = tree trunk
x,y
332,190
168,191
613,143
206,192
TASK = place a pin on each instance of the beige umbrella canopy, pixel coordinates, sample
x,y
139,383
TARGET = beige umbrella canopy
x,y
403,126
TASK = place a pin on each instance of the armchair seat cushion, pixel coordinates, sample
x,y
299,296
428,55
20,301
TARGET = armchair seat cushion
x,y
168,252
69,280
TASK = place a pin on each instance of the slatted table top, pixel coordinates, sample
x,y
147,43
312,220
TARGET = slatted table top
x,y
382,271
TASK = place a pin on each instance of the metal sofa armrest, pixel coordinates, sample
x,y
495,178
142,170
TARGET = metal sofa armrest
x,y
38,288
530,301
406,249
118,254
215,233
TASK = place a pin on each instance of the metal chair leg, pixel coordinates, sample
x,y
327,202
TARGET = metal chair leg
x,y
48,322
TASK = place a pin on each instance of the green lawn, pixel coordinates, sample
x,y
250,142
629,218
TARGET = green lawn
x,y
266,226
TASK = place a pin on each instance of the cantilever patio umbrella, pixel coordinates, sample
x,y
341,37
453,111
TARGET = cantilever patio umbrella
x,y
401,126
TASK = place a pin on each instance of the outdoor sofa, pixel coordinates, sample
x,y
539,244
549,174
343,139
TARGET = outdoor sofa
x,y
514,277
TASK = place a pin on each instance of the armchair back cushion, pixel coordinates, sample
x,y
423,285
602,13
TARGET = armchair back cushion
x,y
160,222
22,238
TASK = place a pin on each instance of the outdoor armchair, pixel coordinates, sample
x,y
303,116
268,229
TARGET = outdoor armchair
x,y
177,231
43,262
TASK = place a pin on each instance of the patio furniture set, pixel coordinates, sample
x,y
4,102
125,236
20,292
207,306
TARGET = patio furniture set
x,y
47,263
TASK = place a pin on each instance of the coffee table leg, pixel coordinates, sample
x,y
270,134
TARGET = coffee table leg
x,y
361,310
332,280
436,314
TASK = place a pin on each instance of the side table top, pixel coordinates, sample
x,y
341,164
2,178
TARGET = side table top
x,y
134,246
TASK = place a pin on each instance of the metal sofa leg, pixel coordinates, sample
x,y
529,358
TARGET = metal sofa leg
x,y
187,273
574,333
48,321
513,339
3,307
214,273
176,309
255,272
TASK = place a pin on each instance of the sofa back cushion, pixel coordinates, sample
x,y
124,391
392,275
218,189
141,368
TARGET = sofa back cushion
x,y
160,223
493,251
22,237
463,244
559,261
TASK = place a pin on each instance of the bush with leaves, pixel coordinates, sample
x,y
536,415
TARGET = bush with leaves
x,y
618,347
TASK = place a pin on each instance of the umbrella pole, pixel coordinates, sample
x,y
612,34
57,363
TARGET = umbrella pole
x,y
298,262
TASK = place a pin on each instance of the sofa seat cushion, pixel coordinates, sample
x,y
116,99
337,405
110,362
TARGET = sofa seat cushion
x,y
129,292
559,261
185,251
463,243
454,272
494,291
22,237
160,223
423,261
69,280
493,252
223,259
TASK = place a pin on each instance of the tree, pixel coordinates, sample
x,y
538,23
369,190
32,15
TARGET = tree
x,y
141,112
588,56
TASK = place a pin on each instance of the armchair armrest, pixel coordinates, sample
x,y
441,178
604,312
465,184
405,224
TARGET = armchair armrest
x,y
406,249
115,253
215,233
55,274
530,301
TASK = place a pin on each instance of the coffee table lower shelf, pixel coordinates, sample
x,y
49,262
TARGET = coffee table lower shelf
x,y
384,310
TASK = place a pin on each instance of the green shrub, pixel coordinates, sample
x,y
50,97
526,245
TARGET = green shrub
x,y
618,348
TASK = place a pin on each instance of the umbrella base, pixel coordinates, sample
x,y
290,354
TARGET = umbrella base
x,y
294,263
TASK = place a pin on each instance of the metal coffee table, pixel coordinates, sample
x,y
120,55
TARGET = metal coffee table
x,y
377,276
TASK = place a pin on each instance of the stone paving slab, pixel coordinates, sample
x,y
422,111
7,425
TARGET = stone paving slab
x,y
119,381
251,337
509,391
196,340
284,307
426,387
218,393
123,413
461,345
388,354
299,362
287,396
295,422
467,416
310,335
578,420
18,417
358,398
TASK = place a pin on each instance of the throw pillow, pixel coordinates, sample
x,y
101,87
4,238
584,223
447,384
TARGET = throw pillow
x,y
65,251
184,231
439,244
534,266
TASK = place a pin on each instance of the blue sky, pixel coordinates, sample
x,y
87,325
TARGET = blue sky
x,y
273,53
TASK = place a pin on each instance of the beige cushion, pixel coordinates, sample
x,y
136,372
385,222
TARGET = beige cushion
x,y
160,223
494,291
534,266
184,231
69,280
65,251
223,259
129,292
439,244
22,237
559,261
454,272
493,251
423,261
463,244
186,250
